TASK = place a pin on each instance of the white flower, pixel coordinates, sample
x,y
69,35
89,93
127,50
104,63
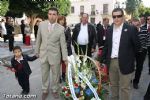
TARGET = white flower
x,y
84,60
66,92
78,61
83,85
77,79
81,93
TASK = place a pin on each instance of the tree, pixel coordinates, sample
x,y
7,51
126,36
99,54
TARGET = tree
x,y
3,7
132,7
143,11
34,8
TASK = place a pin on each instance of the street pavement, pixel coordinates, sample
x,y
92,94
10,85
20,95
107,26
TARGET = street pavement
x,y
4,49
9,85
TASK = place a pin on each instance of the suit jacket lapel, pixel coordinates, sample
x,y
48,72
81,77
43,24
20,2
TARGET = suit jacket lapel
x,y
47,27
123,32
111,34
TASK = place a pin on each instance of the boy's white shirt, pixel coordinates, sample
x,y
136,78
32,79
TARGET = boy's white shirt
x,y
21,58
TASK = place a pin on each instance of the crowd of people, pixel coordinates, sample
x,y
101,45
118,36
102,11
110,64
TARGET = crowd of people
x,y
123,44
8,27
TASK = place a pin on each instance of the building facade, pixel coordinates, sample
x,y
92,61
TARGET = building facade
x,y
97,10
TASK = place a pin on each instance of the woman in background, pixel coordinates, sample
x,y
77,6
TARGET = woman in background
x,y
62,21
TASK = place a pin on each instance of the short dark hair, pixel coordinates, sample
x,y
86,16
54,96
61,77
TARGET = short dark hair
x,y
84,14
22,21
104,19
17,48
118,9
53,9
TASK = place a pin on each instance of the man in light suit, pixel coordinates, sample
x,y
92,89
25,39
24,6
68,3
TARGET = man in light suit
x,y
51,48
119,51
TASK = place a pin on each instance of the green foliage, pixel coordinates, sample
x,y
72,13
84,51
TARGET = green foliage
x,y
63,5
3,7
132,7
38,7
143,11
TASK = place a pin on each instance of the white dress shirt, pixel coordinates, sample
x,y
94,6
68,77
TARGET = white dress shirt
x,y
51,26
116,40
83,35
148,25
21,58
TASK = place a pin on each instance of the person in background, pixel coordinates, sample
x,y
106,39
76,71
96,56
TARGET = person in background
x,y
141,54
101,31
106,26
3,30
22,26
10,32
62,21
84,35
148,40
36,28
22,69
142,21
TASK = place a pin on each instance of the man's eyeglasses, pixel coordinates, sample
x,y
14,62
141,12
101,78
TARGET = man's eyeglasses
x,y
116,16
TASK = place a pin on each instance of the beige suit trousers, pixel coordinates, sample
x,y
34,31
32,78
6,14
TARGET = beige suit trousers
x,y
120,84
45,69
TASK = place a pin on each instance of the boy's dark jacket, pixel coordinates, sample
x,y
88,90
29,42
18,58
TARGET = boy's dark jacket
x,y
24,62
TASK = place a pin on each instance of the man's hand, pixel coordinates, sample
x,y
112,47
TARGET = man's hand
x,y
66,63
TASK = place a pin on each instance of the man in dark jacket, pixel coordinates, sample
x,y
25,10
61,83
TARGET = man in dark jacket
x,y
101,31
84,36
22,26
10,32
141,55
119,54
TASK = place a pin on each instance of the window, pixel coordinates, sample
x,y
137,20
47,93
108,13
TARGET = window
x,y
105,8
92,9
81,9
72,9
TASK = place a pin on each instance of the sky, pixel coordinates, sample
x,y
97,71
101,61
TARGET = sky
x,y
146,3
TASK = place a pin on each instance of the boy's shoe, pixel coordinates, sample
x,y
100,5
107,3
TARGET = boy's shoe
x,y
24,92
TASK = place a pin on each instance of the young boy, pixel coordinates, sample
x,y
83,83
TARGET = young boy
x,y
22,69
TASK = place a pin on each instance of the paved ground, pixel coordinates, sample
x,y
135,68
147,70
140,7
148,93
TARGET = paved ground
x,y
9,85
4,50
